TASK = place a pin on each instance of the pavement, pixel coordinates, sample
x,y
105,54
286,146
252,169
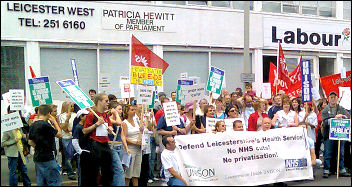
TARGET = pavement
x,y
318,181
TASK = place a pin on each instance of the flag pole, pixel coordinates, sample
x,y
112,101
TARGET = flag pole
x,y
277,67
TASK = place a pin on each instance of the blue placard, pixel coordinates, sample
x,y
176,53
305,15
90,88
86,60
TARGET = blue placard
x,y
185,82
306,81
74,71
38,80
65,83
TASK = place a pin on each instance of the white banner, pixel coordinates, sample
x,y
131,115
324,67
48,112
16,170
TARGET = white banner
x,y
210,124
145,94
172,116
127,89
10,122
16,99
244,158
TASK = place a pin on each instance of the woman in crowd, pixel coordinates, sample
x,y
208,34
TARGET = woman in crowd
x,y
187,117
232,111
296,106
256,118
285,117
132,131
220,127
200,109
318,131
219,110
200,126
310,118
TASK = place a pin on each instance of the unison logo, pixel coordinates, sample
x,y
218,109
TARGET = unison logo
x,y
203,173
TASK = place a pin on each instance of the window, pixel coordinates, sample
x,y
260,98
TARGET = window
x,y
197,2
175,2
290,6
309,7
271,6
327,8
347,10
12,68
240,5
220,3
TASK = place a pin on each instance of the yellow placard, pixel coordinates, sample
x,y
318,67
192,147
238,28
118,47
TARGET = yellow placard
x,y
146,76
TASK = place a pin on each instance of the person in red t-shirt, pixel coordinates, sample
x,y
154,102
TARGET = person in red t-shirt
x,y
256,118
160,112
100,152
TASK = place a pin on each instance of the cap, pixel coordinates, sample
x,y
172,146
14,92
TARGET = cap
x,y
161,94
82,111
189,106
332,93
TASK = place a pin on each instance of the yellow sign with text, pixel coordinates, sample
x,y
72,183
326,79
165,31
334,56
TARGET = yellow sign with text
x,y
146,76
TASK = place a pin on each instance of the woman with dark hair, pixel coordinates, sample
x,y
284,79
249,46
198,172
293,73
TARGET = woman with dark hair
x,y
256,118
310,118
318,131
232,111
200,127
296,106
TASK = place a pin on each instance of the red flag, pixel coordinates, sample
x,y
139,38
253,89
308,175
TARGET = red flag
x,y
142,56
295,81
281,85
333,82
282,67
32,72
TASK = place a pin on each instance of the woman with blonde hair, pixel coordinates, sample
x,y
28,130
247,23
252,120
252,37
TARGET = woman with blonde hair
x,y
285,117
220,127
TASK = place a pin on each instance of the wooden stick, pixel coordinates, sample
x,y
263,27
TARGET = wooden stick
x,y
194,109
211,98
338,159
96,115
19,148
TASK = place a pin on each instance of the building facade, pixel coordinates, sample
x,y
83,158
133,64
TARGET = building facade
x,y
189,35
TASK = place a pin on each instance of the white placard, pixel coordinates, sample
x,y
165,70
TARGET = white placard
x,y
196,80
184,75
266,90
343,72
125,86
6,98
101,130
16,99
315,93
172,116
145,94
193,92
342,90
10,122
345,101
210,124
244,158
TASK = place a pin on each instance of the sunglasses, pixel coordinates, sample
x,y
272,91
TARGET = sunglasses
x,y
232,111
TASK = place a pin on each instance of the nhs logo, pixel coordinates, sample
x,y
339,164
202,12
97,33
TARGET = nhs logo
x,y
296,163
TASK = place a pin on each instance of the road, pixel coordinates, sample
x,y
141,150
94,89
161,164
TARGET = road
x,y
319,180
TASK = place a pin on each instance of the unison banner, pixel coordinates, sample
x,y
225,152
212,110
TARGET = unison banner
x,y
244,158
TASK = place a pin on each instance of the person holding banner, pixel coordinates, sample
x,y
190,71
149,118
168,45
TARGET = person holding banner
x,y
168,159
41,137
200,126
9,141
333,110
101,156
256,118
238,125
132,132
285,117
220,127
296,106
277,102
266,124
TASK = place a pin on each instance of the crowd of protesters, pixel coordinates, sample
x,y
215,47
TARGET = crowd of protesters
x,y
125,143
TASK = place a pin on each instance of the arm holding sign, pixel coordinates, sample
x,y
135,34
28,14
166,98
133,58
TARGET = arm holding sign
x,y
8,139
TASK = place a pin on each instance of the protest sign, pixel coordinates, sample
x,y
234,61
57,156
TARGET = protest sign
x,y
75,93
340,129
345,101
127,89
180,96
215,80
184,75
306,81
10,122
146,67
194,92
40,91
172,116
210,124
315,93
151,106
16,99
74,72
266,90
244,158
333,82
144,94
196,80
342,90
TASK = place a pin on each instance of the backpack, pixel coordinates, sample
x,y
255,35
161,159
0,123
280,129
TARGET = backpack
x,y
70,150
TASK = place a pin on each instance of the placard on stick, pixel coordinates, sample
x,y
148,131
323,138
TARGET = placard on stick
x,y
340,129
16,99
10,122
172,116
40,91
215,80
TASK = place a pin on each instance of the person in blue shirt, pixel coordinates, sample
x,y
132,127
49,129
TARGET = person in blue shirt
x,y
277,106
163,129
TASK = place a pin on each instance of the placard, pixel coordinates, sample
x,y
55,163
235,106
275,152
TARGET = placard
x,y
216,77
172,116
40,91
74,71
144,94
194,92
210,124
75,93
196,80
184,75
345,101
340,129
127,89
10,122
16,99
180,96
315,93
306,81
266,90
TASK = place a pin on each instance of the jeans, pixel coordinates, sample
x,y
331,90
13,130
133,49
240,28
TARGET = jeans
x,y
118,173
48,173
13,162
175,182
66,160
152,157
329,147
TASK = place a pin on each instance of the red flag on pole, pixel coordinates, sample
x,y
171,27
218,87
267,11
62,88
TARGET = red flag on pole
x,y
142,56
282,67
32,72
295,85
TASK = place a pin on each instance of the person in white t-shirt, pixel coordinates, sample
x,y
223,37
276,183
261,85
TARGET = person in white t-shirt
x,y
310,118
168,159
285,117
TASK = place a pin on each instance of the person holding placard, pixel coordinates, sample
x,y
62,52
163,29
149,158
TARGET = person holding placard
x,y
163,129
285,117
132,132
200,126
101,156
256,118
200,109
333,110
9,142
42,138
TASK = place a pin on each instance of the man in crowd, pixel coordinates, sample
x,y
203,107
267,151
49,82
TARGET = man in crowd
x,y
248,108
42,138
160,112
277,105
237,125
173,96
168,159
266,124
333,110
158,105
92,93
